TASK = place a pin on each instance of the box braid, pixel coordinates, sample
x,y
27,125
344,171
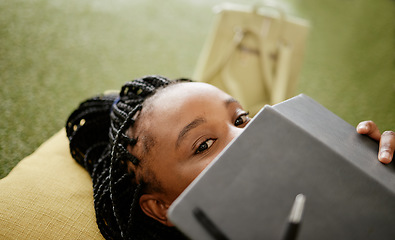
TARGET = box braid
x,y
98,141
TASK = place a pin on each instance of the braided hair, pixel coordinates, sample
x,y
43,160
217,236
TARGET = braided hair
x,y
98,141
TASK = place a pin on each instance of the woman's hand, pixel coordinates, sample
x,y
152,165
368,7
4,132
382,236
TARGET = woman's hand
x,y
387,140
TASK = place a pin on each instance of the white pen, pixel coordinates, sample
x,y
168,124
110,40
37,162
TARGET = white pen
x,y
295,218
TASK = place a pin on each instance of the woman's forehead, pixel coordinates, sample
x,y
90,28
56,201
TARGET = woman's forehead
x,y
201,90
181,93
181,103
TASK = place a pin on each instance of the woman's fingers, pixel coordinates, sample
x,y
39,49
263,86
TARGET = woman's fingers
x,y
387,147
387,140
369,128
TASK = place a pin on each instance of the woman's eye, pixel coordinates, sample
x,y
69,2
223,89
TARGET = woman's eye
x,y
244,118
204,146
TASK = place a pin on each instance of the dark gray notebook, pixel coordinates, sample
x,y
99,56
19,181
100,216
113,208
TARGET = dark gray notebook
x,y
297,146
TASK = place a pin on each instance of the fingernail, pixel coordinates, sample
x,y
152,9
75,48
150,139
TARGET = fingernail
x,y
384,157
362,127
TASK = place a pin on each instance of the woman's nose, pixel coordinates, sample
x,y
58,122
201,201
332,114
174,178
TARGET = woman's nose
x,y
234,132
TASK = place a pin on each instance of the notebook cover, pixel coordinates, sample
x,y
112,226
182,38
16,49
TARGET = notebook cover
x,y
295,147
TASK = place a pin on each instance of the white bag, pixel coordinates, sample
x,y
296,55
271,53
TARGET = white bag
x,y
253,54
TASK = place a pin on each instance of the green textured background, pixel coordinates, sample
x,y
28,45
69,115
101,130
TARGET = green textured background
x,y
55,53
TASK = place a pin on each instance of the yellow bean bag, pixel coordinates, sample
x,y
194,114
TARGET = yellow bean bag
x,y
48,196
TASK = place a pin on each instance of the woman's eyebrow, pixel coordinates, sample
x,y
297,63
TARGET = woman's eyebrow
x,y
195,123
230,100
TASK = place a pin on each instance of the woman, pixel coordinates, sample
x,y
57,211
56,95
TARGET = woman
x,y
145,146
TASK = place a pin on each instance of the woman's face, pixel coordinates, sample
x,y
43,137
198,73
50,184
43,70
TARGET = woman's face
x,y
180,130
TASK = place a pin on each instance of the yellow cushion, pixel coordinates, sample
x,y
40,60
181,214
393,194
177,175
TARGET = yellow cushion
x,y
48,196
